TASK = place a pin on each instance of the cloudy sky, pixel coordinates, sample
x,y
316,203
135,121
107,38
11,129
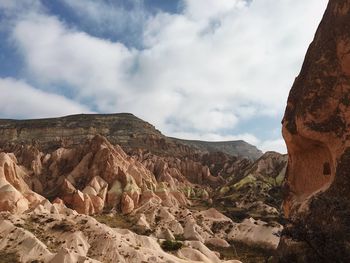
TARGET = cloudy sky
x,y
196,69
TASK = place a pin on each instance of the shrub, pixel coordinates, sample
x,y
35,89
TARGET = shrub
x,y
169,245
64,227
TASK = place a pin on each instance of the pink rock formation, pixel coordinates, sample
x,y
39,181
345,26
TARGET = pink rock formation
x,y
127,204
88,178
176,171
15,195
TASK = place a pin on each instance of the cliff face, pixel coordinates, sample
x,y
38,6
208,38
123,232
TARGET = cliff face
x,y
123,129
317,134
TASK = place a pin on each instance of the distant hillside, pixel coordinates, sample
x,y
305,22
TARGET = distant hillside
x,y
124,129
237,148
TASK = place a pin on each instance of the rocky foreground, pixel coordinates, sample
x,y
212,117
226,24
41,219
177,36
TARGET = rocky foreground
x,y
92,202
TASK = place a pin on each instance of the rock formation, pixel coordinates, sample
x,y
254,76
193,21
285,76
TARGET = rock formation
x,y
183,169
258,187
57,178
317,134
15,195
52,233
145,193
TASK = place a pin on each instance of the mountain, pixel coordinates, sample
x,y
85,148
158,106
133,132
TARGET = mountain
x,y
238,148
316,130
123,129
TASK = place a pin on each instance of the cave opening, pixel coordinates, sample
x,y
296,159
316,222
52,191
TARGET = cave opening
x,y
310,168
326,168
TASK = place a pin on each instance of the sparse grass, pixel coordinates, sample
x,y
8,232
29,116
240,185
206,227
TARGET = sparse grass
x,y
62,227
7,257
121,221
114,221
32,225
199,205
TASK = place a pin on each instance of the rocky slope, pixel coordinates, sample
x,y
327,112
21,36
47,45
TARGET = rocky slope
x,y
123,129
90,177
255,190
316,131
53,233
49,198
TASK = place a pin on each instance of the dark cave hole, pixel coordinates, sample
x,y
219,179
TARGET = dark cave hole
x,y
326,168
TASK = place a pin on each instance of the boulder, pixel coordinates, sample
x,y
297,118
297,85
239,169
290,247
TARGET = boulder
x,y
127,204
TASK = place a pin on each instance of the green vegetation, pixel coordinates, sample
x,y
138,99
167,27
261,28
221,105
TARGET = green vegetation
x,y
169,245
250,179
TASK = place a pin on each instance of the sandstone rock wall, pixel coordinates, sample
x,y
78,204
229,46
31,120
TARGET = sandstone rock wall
x,y
316,130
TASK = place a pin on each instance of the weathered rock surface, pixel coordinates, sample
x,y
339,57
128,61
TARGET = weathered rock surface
x,y
207,226
15,195
317,134
177,171
225,165
52,233
88,178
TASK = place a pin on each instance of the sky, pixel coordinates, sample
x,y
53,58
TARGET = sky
x,y
196,69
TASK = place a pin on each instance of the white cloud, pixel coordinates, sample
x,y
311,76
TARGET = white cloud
x,y
19,99
55,54
201,73
277,145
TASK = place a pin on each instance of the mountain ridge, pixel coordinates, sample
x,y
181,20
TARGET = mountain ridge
x,y
125,129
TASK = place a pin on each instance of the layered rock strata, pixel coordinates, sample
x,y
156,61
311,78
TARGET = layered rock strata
x,y
123,129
